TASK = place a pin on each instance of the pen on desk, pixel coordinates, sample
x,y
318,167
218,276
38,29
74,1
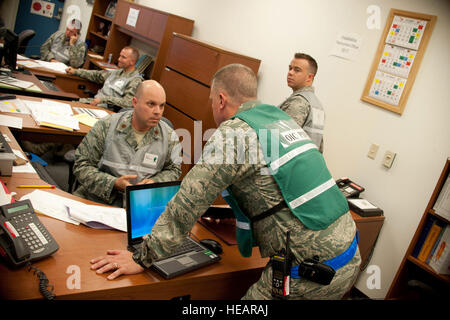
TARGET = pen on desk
x,y
36,186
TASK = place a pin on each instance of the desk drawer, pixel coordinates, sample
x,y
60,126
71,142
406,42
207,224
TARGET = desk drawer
x,y
188,96
192,59
184,126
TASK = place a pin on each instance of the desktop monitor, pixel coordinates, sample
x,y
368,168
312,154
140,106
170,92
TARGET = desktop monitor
x,y
9,50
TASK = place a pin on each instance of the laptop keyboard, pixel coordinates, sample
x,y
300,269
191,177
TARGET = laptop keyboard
x,y
186,246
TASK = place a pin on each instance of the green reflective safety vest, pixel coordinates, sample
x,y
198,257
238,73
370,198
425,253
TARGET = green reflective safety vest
x,y
299,170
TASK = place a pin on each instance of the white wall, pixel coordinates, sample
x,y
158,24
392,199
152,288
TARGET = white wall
x,y
78,9
8,12
273,30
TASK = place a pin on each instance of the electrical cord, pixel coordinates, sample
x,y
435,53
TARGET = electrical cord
x,y
45,288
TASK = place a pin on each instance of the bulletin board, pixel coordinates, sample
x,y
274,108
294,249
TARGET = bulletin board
x,y
397,60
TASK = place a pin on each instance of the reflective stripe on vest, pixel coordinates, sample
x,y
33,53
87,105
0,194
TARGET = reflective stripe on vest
x,y
299,170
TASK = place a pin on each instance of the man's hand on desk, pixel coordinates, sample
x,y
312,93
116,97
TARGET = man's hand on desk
x,y
70,70
123,181
119,261
95,101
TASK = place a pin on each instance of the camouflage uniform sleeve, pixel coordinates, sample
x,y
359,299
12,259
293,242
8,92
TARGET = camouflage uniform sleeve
x,y
46,53
87,156
76,54
199,188
297,107
172,166
125,101
97,76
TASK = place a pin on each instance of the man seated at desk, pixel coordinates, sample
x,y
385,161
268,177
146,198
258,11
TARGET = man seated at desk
x,y
66,47
119,86
127,148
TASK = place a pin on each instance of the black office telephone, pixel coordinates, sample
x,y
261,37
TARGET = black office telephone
x,y
349,188
23,237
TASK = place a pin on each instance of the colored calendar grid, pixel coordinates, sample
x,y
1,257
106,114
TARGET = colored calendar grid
x,y
406,32
396,60
387,88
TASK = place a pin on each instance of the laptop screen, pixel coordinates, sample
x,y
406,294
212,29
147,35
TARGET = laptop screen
x,y
145,203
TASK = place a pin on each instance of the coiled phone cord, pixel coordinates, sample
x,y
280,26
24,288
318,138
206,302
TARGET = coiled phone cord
x,y
44,288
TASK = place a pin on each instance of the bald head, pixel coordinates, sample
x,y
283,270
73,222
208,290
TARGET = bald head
x,y
151,85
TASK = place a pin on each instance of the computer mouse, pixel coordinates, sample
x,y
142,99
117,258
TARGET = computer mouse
x,y
212,245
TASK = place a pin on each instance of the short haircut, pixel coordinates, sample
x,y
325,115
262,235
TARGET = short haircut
x,y
134,52
312,63
237,80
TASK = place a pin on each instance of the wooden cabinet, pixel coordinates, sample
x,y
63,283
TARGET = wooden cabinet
x,y
134,21
99,27
415,279
189,68
369,228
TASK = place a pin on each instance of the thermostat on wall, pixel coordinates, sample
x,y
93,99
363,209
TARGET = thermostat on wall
x,y
43,8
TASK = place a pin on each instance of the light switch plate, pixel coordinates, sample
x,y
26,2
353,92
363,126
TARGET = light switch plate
x,y
388,159
373,151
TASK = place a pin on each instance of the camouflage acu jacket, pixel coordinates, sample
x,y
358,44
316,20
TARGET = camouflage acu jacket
x,y
229,160
76,52
99,185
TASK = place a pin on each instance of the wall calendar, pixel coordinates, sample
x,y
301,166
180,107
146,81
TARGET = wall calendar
x,y
397,60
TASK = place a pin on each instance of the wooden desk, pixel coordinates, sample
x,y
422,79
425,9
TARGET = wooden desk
x,y
227,279
369,228
32,132
66,82
43,91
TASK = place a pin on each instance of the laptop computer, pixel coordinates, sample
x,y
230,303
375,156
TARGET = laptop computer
x,y
145,203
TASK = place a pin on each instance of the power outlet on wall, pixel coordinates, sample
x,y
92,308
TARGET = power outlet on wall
x,y
388,159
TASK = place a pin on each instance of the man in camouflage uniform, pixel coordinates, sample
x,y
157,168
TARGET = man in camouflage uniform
x,y
303,105
233,92
66,47
128,148
119,85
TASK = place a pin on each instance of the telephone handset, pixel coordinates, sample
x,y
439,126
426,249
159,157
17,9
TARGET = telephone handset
x,y
23,237
349,188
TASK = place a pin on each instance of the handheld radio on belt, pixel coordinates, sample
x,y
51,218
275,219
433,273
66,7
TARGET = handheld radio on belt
x,y
281,272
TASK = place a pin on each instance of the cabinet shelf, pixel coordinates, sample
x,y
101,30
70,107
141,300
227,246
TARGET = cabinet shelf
x,y
103,17
412,268
433,213
98,35
427,268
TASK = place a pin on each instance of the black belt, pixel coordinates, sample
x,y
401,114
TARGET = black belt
x,y
269,212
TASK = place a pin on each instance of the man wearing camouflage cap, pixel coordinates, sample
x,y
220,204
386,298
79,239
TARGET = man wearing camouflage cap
x,y
66,47
291,177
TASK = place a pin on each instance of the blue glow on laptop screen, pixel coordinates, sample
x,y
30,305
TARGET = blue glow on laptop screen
x,y
146,205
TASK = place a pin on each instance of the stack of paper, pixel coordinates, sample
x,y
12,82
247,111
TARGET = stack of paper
x,y
53,114
16,82
442,204
14,106
55,66
28,63
76,212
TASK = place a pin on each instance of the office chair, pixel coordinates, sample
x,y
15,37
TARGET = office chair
x,y
24,37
